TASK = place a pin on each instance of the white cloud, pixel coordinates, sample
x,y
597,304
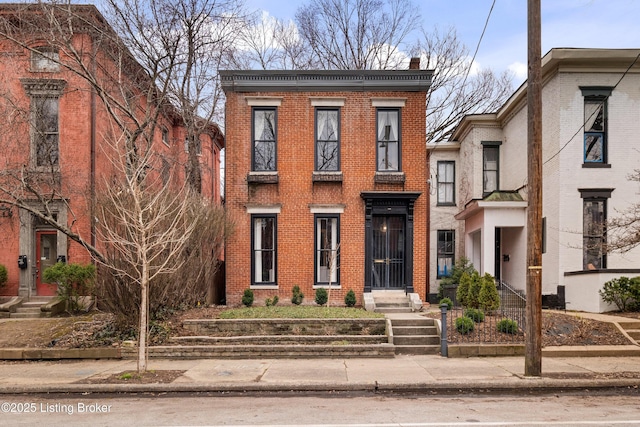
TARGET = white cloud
x,y
519,71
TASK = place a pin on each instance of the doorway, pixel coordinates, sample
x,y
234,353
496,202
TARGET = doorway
x,y
46,255
388,252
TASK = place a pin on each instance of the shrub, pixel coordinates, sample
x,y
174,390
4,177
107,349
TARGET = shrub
x,y
350,298
622,292
463,289
321,296
474,314
247,298
272,301
74,281
463,265
464,325
508,326
448,302
474,291
488,298
4,275
297,296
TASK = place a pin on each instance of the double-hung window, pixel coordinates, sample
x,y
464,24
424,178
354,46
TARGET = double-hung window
x,y
446,246
595,124
327,139
264,249
44,110
446,183
490,166
327,248
388,140
264,139
594,220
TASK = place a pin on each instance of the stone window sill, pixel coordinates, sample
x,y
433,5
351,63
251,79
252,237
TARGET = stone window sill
x,y
389,177
262,177
327,176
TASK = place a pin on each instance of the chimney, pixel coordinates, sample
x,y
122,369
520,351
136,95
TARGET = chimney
x,y
414,64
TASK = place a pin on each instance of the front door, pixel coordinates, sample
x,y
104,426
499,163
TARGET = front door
x,y
46,254
388,251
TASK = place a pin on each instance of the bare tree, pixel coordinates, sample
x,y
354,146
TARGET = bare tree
x,y
147,218
357,34
623,231
457,89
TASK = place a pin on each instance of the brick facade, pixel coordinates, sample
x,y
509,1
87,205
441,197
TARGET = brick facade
x,y
297,192
84,163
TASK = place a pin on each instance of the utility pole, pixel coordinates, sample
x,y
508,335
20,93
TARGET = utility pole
x,y
533,329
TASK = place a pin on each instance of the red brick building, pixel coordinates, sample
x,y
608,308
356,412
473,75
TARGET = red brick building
x,y
57,132
326,180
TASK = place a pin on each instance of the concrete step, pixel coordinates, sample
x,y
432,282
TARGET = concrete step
x,y
417,349
634,333
413,321
282,340
630,325
393,304
23,309
414,330
416,340
27,315
390,310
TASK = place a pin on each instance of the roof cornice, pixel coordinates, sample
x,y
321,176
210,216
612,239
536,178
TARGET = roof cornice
x,y
325,81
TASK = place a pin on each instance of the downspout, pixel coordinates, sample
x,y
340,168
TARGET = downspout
x,y
92,190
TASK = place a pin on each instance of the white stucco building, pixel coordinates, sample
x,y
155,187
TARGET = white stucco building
x,y
591,128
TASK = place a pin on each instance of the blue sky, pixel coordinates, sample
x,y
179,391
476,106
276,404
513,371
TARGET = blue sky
x,y
565,23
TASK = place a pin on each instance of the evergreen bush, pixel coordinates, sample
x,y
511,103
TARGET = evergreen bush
x,y
623,292
297,296
247,298
350,298
448,302
508,326
474,314
74,281
270,302
474,291
464,325
463,289
488,298
4,275
321,296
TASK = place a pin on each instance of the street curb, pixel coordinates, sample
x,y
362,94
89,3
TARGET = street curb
x,y
520,384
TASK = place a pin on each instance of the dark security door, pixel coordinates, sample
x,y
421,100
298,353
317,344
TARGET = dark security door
x,y
388,252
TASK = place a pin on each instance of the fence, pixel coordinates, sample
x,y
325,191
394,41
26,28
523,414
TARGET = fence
x,y
512,307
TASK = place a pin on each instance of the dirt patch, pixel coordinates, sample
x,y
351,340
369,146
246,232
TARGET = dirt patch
x,y
558,329
134,377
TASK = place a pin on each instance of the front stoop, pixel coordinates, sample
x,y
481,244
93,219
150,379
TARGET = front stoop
x,y
631,329
31,309
415,335
392,302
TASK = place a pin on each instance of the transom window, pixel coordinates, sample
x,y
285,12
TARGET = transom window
x,y
264,139
388,140
327,139
446,246
446,183
263,249
327,245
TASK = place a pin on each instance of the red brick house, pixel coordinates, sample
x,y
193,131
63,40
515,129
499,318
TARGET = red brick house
x,y
326,181
55,129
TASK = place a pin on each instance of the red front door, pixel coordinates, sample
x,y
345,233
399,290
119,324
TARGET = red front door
x,y
46,254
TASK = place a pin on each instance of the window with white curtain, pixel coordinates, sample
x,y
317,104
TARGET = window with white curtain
x,y
490,168
446,183
327,139
388,140
264,139
327,245
263,249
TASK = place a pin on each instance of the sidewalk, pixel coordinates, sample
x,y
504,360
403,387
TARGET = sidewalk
x,y
402,373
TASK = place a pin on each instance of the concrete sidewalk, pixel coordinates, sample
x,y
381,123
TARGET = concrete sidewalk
x,y
402,373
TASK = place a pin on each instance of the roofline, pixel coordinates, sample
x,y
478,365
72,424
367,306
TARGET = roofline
x,y
557,59
325,80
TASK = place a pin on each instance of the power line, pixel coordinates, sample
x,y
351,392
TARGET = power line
x,y
581,128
